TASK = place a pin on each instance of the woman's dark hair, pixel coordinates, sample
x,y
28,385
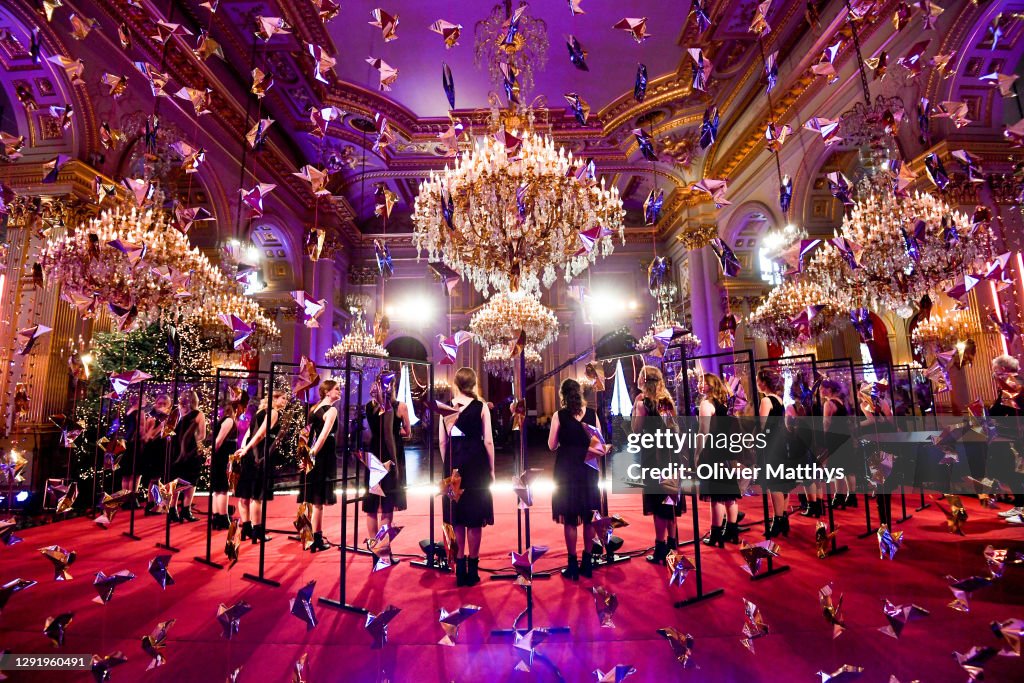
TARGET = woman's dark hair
x,y
771,379
465,381
572,396
326,386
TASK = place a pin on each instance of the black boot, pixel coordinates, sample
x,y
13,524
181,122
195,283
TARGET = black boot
x,y
672,543
731,534
851,500
839,502
715,538
809,510
784,525
572,572
186,514
660,553
587,567
246,531
259,533
803,501
318,542
172,515
461,571
819,508
472,571
774,528
222,523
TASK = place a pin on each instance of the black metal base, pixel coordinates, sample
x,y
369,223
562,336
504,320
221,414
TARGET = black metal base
x,y
904,518
923,507
500,632
605,561
424,564
343,605
840,549
867,534
700,598
208,563
513,576
256,578
164,546
770,572
131,536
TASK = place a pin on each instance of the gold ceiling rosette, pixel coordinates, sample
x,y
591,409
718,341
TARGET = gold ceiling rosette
x,y
499,322
514,211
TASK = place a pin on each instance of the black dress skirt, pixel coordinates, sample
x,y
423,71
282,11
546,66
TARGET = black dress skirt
x,y
659,505
720,489
387,450
776,451
154,454
834,439
317,487
219,460
186,461
467,454
576,495
250,478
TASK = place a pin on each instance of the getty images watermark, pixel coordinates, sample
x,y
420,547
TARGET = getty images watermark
x,y
671,443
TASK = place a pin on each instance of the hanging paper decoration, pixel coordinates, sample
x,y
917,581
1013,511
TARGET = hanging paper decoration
x,y
405,395
622,404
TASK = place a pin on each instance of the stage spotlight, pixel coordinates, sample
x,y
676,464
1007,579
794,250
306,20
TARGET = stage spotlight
x,y
21,497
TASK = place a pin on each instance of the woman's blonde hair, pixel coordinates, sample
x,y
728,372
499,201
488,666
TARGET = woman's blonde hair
x,y
652,385
714,388
191,397
465,381
1005,365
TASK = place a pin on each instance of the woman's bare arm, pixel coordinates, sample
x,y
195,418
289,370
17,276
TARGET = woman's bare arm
x,y
330,417
225,429
403,414
553,433
488,436
639,413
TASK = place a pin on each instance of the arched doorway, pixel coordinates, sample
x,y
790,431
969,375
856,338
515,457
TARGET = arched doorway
x,y
407,347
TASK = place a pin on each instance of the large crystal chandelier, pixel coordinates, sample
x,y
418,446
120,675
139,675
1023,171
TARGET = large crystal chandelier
x,y
499,322
358,341
794,312
525,49
515,210
942,330
497,363
137,261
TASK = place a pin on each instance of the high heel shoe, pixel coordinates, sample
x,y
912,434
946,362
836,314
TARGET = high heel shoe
x,y
259,533
186,514
572,572
587,566
808,511
318,542
472,571
715,538
731,534
774,528
851,500
839,501
660,553
246,531
461,571
785,524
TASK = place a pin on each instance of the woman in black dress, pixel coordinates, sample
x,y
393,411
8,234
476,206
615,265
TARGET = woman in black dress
x,y
654,409
835,429
186,459
317,487
388,420
131,429
152,463
773,415
467,445
999,462
224,445
576,495
252,464
722,492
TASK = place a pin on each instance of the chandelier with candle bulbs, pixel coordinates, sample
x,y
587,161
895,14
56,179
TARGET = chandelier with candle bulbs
x,y
135,260
499,321
357,341
497,363
941,330
514,211
777,318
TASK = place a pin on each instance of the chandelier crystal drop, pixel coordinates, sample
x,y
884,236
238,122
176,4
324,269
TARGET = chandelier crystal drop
x,y
509,216
499,321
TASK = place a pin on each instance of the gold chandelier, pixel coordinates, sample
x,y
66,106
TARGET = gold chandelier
x,y
359,341
499,321
514,211
943,329
497,363
795,312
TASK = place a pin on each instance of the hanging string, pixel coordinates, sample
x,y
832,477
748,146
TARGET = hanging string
x,y
771,118
860,57
245,143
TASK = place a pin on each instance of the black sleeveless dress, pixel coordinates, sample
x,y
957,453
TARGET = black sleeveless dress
x,y
576,495
467,454
658,504
250,478
836,437
129,464
186,461
393,484
776,451
219,461
720,489
317,487
154,453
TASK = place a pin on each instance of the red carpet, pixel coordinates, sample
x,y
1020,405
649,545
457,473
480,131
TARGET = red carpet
x,y
270,638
